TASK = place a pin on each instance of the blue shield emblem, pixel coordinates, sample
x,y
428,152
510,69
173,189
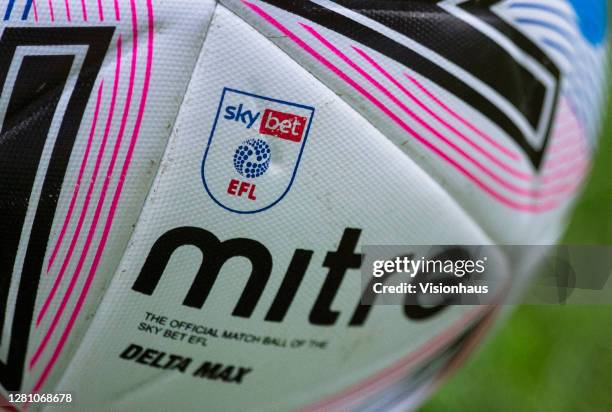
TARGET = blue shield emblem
x,y
254,150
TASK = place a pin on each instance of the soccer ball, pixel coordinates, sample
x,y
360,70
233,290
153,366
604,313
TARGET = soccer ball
x,y
188,187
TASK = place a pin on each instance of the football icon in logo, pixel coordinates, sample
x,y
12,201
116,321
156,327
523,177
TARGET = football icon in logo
x,y
252,158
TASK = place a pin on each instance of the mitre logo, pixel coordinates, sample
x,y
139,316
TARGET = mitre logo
x,y
254,150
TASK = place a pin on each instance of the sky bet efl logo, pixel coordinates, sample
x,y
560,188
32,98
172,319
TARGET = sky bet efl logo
x,y
254,150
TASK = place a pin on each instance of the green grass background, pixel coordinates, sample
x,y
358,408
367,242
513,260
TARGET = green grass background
x,y
548,358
